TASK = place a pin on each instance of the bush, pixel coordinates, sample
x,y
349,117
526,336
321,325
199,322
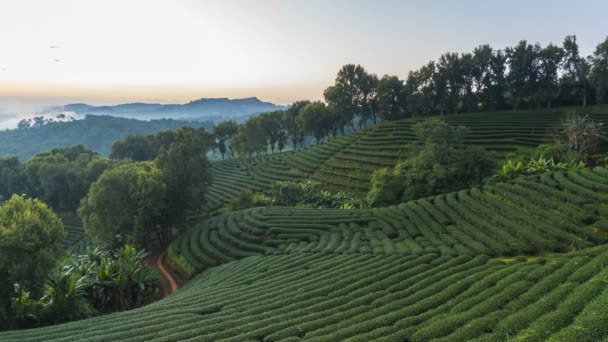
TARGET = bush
x,y
179,264
247,199
287,193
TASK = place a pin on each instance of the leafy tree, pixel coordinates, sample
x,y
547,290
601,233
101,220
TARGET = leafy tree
x,y
391,98
291,126
443,164
523,66
12,180
223,133
421,91
30,233
65,296
249,139
352,94
317,119
550,59
60,177
134,147
127,200
599,71
574,83
184,170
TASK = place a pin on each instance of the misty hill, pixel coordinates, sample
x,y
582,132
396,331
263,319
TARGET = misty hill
x,y
94,132
215,109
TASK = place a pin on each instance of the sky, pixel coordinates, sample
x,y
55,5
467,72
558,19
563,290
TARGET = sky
x,y
114,51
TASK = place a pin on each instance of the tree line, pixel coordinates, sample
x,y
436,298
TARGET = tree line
x,y
524,76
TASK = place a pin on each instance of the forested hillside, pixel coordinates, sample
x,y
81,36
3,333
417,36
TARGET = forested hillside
x,y
94,132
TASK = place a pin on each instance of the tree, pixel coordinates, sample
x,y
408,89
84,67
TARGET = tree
x,y
127,200
316,119
391,98
599,71
550,59
223,133
30,233
134,147
352,94
523,72
184,169
442,164
421,90
249,139
291,126
574,82
12,180
59,177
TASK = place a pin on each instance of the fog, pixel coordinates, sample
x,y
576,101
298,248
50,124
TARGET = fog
x,y
14,109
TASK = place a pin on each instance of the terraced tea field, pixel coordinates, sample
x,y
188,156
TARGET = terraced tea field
x,y
76,240
445,268
347,163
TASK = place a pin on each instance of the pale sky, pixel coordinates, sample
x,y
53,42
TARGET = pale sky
x,y
110,51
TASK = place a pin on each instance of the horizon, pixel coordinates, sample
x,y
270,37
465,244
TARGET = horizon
x,y
232,49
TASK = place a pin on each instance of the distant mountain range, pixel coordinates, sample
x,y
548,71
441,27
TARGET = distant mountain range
x,y
214,109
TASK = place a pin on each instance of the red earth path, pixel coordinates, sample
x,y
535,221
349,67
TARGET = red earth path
x,y
170,285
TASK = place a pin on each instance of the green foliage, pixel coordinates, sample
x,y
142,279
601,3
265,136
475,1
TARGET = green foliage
x,y
179,264
287,193
183,167
443,164
30,233
310,194
94,132
247,199
511,170
127,200
582,135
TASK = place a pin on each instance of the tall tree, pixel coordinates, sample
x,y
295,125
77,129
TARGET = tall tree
x,y
523,72
316,119
352,95
574,83
391,98
127,200
599,71
223,132
291,126
30,233
549,59
184,169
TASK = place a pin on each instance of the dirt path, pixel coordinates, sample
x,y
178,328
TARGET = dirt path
x,y
170,284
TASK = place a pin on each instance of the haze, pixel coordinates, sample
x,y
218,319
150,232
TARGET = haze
x,y
114,51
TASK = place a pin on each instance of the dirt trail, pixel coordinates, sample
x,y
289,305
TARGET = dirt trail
x,y
170,285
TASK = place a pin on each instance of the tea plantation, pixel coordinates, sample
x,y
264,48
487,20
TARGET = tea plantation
x,y
346,163
75,239
523,260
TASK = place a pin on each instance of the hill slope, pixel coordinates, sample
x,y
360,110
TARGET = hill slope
x,y
95,132
423,270
346,163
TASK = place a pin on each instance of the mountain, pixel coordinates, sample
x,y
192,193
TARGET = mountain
x,y
215,109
